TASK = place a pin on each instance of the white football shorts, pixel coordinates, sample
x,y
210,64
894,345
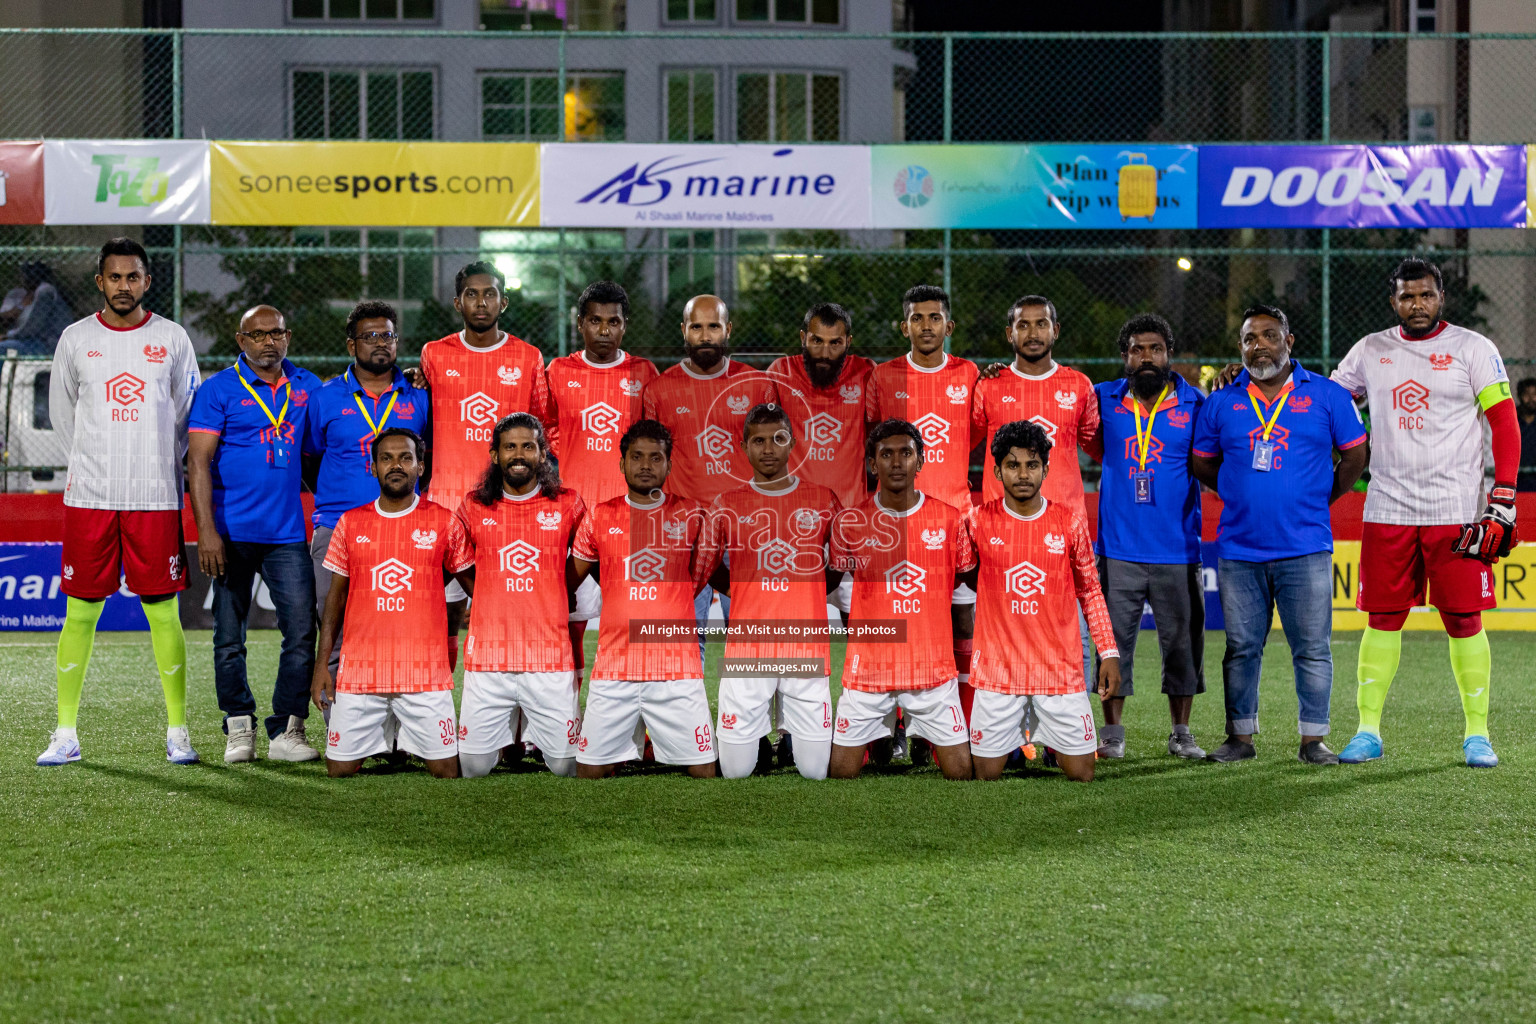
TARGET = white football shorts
x,y
934,714
546,701
360,725
454,591
1063,722
746,702
675,711
589,601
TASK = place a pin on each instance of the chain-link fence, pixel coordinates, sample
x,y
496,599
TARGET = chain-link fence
x,y
803,87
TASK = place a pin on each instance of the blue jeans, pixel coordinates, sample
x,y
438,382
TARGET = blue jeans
x,y
290,579
1302,588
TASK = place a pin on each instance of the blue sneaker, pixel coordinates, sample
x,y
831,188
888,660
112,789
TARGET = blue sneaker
x,y
1366,746
61,750
178,747
1479,752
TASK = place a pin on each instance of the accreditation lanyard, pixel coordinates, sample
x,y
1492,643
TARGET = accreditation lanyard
x,y
375,428
1141,476
1264,448
281,449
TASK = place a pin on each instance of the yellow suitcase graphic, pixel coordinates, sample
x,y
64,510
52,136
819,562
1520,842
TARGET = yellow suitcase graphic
x,y
1138,188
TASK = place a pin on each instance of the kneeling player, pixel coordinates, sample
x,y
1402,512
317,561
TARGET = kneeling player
x,y
773,533
644,546
905,550
1035,568
517,659
393,621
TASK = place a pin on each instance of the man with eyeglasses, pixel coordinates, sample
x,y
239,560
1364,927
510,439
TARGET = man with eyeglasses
x,y
345,416
244,474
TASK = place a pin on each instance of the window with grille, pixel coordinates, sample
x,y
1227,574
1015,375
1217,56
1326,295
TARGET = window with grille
x,y
362,103
362,10
691,10
788,106
691,105
528,106
790,12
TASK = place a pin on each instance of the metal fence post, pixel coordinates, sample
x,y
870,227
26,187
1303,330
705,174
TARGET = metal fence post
x,y
176,130
949,87
1326,323
561,329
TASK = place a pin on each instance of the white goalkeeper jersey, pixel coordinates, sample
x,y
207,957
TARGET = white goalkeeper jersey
x,y
119,397
1426,397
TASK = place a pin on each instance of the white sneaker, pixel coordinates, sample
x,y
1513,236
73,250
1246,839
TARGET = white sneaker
x,y
241,745
178,746
63,747
291,745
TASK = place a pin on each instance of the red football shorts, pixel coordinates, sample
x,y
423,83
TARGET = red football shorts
x,y
102,544
1399,563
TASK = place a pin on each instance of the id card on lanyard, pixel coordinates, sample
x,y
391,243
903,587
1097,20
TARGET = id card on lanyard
x,y
1263,447
1141,476
374,428
281,448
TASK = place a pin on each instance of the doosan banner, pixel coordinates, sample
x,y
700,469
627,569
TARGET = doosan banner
x,y
125,181
1362,186
1055,186
621,185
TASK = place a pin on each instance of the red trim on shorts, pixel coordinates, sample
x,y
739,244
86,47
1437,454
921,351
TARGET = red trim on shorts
x,y
141,323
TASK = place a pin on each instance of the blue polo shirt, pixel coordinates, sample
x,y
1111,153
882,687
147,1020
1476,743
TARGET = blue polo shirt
x,y
1282,513
1167,531
339,433
255,501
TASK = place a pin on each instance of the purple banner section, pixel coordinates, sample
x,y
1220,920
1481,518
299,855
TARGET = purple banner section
x,y
1362,186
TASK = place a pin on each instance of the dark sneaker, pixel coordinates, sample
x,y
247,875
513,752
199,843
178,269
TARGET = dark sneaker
x,y
1182,744
922,752
1112,748
786,751
1232,750
1316,753
764,756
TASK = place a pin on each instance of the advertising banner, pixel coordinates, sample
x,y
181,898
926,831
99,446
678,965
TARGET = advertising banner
x,y
130,181
618,185
1048,186
431,184
1362,186
30,598
21,182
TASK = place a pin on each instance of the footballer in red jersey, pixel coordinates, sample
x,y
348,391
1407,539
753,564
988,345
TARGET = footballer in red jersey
x,y
933,390
906,551
389,559
775,532
518,663
822,389
1035,569
645,546
475,377
594,397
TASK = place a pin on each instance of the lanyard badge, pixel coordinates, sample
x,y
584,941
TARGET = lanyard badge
x,y
375,428
1263,447
281,450
1141,476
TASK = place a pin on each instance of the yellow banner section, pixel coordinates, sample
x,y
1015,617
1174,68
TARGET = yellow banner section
x,y
1514,586
469,184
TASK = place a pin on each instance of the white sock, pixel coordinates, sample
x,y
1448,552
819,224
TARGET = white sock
x,y
66,732
478,766
565,766
738,759
173,732
811,757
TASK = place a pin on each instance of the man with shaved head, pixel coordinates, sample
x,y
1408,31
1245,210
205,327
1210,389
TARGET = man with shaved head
x,y
703,401
247,425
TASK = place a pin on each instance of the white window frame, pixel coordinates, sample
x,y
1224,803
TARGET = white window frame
x,y
362,72
811,74
666,99
528,75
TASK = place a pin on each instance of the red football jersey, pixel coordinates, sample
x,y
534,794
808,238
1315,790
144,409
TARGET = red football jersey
x,y
471,389
650,572
592,406
776,541
705,416
904,568
829,424
938,403
394,634
1062,402
518,621
1034,575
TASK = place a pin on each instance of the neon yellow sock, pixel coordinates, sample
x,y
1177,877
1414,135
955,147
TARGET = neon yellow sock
x,y
1380,651
76,639
1473,668
170,645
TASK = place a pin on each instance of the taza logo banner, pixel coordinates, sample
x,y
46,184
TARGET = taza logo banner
x,y
628,185
1362,186
1058,186
130,181
477,184
21,182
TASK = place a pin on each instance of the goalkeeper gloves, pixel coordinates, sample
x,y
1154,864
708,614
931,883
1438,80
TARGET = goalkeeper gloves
x,y
1493,534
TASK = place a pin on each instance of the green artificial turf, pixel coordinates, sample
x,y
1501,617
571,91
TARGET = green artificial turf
x,y
135,890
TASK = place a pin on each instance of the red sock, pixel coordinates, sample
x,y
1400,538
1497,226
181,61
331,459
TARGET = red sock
x,y
453,653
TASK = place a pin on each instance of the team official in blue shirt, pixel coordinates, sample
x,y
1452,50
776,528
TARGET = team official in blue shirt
x,y
344,417
244,474
1149,526
1267,444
